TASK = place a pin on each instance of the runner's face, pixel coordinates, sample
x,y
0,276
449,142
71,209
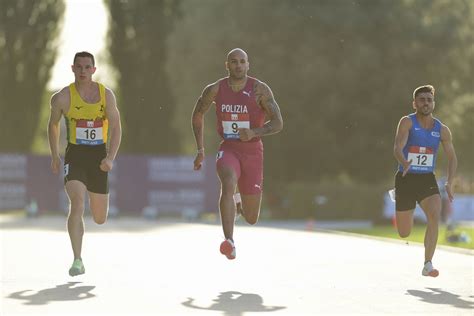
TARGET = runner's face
x,y
83,69
424,103
237,65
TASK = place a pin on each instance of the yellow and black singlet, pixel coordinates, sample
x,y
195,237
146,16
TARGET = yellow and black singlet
x,y
86,123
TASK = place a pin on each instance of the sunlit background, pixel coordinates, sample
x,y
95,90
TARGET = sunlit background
x,y
84,28
343,73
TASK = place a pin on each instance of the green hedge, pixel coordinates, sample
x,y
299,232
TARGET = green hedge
x,y
330,201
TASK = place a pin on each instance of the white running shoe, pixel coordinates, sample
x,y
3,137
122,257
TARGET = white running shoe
x,y
228,249
428,270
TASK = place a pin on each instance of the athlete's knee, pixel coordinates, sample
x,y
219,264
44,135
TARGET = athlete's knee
x,y
251,216
100,219
76,209
433,215
252,220
228,188
99,214
404,233
228,182
227,191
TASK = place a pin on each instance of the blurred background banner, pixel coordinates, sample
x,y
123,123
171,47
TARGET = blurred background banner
x,y
166,183
13,178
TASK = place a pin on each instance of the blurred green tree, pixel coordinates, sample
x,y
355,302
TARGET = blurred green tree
x,y
138,35
28,42
461,122
342,71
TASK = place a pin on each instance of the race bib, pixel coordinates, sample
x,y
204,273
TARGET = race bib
x,y
231,122
89,132
421,157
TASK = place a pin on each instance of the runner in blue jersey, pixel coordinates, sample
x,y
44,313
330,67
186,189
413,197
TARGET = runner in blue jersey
x,y
416,147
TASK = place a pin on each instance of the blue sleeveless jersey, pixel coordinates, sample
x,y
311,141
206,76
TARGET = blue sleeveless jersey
x,y
422,147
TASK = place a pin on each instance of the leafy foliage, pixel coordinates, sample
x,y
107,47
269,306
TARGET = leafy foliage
x,y
28,32
343,73
137,41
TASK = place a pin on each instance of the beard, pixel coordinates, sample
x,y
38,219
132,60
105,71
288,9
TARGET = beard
x,y
426,111
238,76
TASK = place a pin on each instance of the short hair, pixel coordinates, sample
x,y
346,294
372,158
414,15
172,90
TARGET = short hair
x,y
237,50
425,88
84,54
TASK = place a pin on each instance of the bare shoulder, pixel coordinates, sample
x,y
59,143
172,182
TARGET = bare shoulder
x,y
212,89
109,95
261,87
209,94
60,99
445,132
405,122
263,94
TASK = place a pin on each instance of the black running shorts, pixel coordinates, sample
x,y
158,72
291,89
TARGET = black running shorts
x,y
413,188
82,162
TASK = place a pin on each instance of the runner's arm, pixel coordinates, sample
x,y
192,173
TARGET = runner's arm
x,y
447,141
115,126
266,100
401,138
200,109
56,106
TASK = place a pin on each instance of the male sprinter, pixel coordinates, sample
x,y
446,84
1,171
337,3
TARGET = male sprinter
x,y
416,147
92,122
242,102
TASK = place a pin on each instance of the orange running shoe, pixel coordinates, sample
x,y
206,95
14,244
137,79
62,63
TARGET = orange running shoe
x,y
428,270
228,249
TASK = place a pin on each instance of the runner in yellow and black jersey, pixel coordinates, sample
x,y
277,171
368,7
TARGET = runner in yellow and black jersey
x,y
93,135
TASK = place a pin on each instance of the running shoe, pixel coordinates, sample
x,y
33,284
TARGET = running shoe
x,y
77,268
428,270
228,249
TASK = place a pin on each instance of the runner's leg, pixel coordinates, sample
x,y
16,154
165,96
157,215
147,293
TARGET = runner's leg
x,y
432,208
75,222
99,204
228,178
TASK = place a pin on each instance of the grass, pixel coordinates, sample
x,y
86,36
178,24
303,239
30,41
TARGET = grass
x,y
418,234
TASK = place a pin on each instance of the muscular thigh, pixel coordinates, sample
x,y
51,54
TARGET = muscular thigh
x,y
251,178
99,204
227,164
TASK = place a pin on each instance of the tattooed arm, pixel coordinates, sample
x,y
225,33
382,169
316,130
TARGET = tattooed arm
x,y
266,100
202,106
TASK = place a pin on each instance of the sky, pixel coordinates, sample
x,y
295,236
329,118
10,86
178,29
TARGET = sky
x,y
84,29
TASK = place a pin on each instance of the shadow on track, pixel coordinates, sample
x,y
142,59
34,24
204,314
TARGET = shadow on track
x,y
60,293
438,296
233,303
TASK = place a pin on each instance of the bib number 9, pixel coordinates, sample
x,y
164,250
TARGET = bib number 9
x,y
231,128
235,127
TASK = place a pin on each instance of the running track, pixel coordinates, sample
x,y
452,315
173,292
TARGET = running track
x,y
137,267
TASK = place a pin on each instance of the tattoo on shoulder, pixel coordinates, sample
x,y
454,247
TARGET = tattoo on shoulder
x,y
261,91
264,97
206,99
